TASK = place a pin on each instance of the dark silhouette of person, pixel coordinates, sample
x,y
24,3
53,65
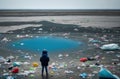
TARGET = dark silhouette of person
x,y
44,59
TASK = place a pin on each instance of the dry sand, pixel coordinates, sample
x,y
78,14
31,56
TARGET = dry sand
x,y
83,21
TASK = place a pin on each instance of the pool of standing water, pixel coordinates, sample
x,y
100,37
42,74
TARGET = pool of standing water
x,y
50,43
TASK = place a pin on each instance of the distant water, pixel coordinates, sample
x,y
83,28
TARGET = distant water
x,y
52,44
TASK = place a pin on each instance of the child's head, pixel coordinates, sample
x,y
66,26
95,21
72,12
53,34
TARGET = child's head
x,y
44,52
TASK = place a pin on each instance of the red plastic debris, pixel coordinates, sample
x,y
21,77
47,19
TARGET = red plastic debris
x,y
15,70
83,59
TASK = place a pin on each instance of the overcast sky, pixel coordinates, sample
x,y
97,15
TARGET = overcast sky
x,y
59,4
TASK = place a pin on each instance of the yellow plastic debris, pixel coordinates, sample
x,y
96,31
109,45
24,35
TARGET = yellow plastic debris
x,y
35,64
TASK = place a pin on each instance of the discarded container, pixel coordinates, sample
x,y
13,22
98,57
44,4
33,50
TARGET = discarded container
x,y
10,68
106,74
8,60
35,64
83,59
16,64
83,75
110,47
15,70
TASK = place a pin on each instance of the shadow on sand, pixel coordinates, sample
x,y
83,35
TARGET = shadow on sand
x,y
45,77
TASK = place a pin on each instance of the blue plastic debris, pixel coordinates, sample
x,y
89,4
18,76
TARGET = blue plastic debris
x,y
54,68
106,74
83,75
10,77
16,64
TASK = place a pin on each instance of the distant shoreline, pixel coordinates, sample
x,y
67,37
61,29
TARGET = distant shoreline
x,y
66,12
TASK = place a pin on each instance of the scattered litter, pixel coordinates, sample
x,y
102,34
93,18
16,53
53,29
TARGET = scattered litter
x,y
66,55
78,68
10,77
31,75
5,39
40,29
27,57
10,57
35,64
92,40
10,68
95,72
5,74
90,58
104,73
54,68
84,59
26,73
26,63
15,70
60,55
52,73
68,72
110,47
83,75
62,65
8,60
16,64
76,29
53,64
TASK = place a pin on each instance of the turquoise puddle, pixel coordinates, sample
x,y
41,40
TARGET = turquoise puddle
x,y
50,43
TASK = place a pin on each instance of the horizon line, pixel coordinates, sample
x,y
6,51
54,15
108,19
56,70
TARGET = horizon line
x,y
59,9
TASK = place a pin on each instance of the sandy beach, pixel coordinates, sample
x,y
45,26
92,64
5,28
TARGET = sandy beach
x,y
93,31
